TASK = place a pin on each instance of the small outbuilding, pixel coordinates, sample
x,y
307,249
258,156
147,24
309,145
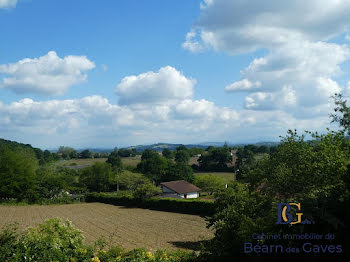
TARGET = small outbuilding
x,y
179,189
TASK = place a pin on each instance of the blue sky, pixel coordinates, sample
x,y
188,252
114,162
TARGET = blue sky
x,y
117,73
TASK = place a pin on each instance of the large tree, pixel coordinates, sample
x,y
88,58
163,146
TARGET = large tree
x,y
17,172
153,165
97,178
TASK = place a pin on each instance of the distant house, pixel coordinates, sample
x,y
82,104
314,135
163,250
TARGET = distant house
x,y
179,189
233,152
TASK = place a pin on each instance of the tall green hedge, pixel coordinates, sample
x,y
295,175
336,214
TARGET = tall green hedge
x,y
188,206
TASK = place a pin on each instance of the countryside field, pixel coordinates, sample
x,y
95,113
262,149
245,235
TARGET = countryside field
x,y
81,163
127,227
228,177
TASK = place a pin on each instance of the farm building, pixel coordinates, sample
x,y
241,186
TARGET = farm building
x,y
179,189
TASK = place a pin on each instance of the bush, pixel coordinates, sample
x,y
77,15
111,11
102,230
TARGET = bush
x,y
57,241
186,206
146,191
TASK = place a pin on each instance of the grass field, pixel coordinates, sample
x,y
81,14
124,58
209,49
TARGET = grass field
x,y
127,227
131,161
81,163
229,177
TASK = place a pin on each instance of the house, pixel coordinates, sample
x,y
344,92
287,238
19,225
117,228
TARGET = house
x,y
179,189
233,152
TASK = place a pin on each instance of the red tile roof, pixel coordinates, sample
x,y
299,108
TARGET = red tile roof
x,y
180,186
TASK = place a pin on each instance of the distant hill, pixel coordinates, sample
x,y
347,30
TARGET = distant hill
x,y
160,146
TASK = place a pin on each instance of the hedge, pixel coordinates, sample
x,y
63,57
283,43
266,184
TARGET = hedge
x,y
188,206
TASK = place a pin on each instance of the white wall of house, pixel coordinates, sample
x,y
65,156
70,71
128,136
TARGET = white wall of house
x,y
188,195
193,195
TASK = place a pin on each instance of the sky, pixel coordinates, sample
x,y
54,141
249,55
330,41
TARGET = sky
x,y
111,73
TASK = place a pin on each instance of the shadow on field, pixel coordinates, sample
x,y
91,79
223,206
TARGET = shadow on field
x,y
192,245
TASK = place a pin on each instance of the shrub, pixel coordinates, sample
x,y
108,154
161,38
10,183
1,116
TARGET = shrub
x,y
61,242
146,191
187,206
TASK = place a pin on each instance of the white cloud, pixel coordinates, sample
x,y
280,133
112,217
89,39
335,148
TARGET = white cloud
x,y
8,3
244,26
243,85
94,121
298,74
192,44
165,86
49,74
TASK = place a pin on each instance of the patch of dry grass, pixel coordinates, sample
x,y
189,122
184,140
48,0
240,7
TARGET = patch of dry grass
x,y
228,177
131,161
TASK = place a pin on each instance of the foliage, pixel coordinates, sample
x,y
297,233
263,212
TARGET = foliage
x,y
209,183
179,171
115,160
153,165
124,152
187,206
160,169
167,153
182,156
99,177
314,173
341,113
17,173
57,241
85,154
146,191
239,213
215,160
196,151
131,181
67,152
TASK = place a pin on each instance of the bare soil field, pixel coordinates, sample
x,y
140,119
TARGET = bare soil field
x,y
127,227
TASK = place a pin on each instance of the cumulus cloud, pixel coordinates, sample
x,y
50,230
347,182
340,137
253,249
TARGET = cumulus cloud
x,y
243,85
48,75
8,3
165,86
244,26
192,44
93,117
298,74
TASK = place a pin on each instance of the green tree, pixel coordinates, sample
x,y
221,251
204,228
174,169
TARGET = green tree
x,y
239,213
85,154
97,178
131,181
179,171
196,151
153,165
167,153
67,152
215,160
182,156
17,172
116,161
341,113
209,183
146,191
181,147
